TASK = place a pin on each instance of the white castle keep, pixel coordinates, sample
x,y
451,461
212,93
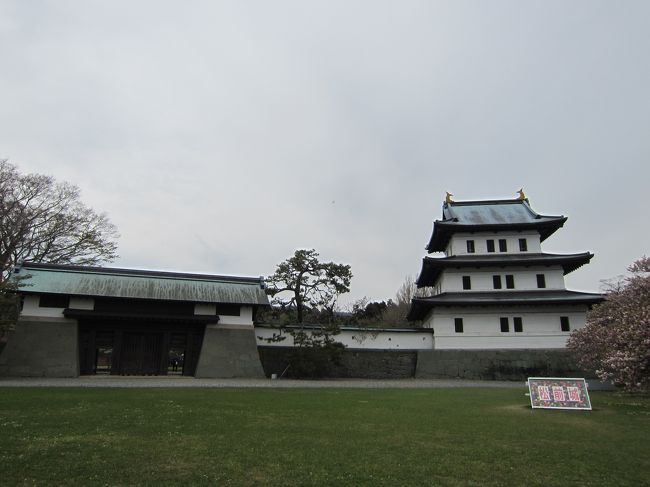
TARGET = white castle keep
x,y
495,288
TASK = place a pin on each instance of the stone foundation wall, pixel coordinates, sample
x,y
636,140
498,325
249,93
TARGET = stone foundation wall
x,y
42,348
495,364
431,364
229,352
367,364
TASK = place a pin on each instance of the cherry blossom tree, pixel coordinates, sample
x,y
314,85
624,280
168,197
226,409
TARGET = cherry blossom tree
x,y
615,343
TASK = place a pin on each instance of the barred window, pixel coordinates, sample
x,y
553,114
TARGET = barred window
x,y
523,245
564,323
458,325
467,282
505,327
496,282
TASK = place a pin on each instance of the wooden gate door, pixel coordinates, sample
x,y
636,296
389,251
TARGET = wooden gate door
x,y
86,352
141,353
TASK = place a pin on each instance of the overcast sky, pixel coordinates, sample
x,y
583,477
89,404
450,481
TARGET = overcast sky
x,y
221,136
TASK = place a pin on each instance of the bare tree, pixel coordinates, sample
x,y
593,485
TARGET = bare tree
x,y
395,314
42,220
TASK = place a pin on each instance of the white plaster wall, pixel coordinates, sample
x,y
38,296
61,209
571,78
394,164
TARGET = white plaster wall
x,y
360,339
458,246
31,308
245,318
482,328
451,280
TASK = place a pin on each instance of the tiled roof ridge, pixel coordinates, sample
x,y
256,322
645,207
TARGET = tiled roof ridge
x,y
117,271
486,202
525,203
498,256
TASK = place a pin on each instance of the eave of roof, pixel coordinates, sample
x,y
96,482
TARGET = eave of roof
x,y
486,218
432,267
421,306
131,317
140,284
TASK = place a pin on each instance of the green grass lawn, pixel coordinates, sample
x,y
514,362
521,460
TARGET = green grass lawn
x,y
317,437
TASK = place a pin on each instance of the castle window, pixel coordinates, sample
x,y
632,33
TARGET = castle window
x,y
503,245
541,281
458,325
496,282
490,245
53,301
470,247
564,323
505,327
519,325
510,281
523,245
467,282
228,309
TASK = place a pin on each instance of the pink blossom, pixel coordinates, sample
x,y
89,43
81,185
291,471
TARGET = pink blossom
x,y
615,343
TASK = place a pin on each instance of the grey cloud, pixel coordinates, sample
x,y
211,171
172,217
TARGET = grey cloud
x,y
241,123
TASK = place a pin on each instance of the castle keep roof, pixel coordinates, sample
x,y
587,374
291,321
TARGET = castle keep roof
x,y
490,215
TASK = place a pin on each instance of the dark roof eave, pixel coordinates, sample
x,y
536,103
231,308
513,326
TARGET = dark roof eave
x,y
107,315
421,306
443,230
432,267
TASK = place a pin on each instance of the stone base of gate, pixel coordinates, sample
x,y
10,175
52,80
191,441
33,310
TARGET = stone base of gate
x,y
228,352
41,348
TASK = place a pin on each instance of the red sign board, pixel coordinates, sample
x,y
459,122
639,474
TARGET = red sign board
x,y
558,393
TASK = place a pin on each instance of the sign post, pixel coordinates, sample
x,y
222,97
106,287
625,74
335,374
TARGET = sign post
x,y
558,393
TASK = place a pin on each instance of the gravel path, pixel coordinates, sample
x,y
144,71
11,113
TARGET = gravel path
x,y
133,381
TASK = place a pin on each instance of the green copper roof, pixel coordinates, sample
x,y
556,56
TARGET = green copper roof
x,y
138,284
492,212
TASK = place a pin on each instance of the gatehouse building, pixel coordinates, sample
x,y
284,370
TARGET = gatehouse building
x,y
89,320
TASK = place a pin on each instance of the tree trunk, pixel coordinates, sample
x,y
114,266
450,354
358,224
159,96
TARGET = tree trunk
x,y
298,295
